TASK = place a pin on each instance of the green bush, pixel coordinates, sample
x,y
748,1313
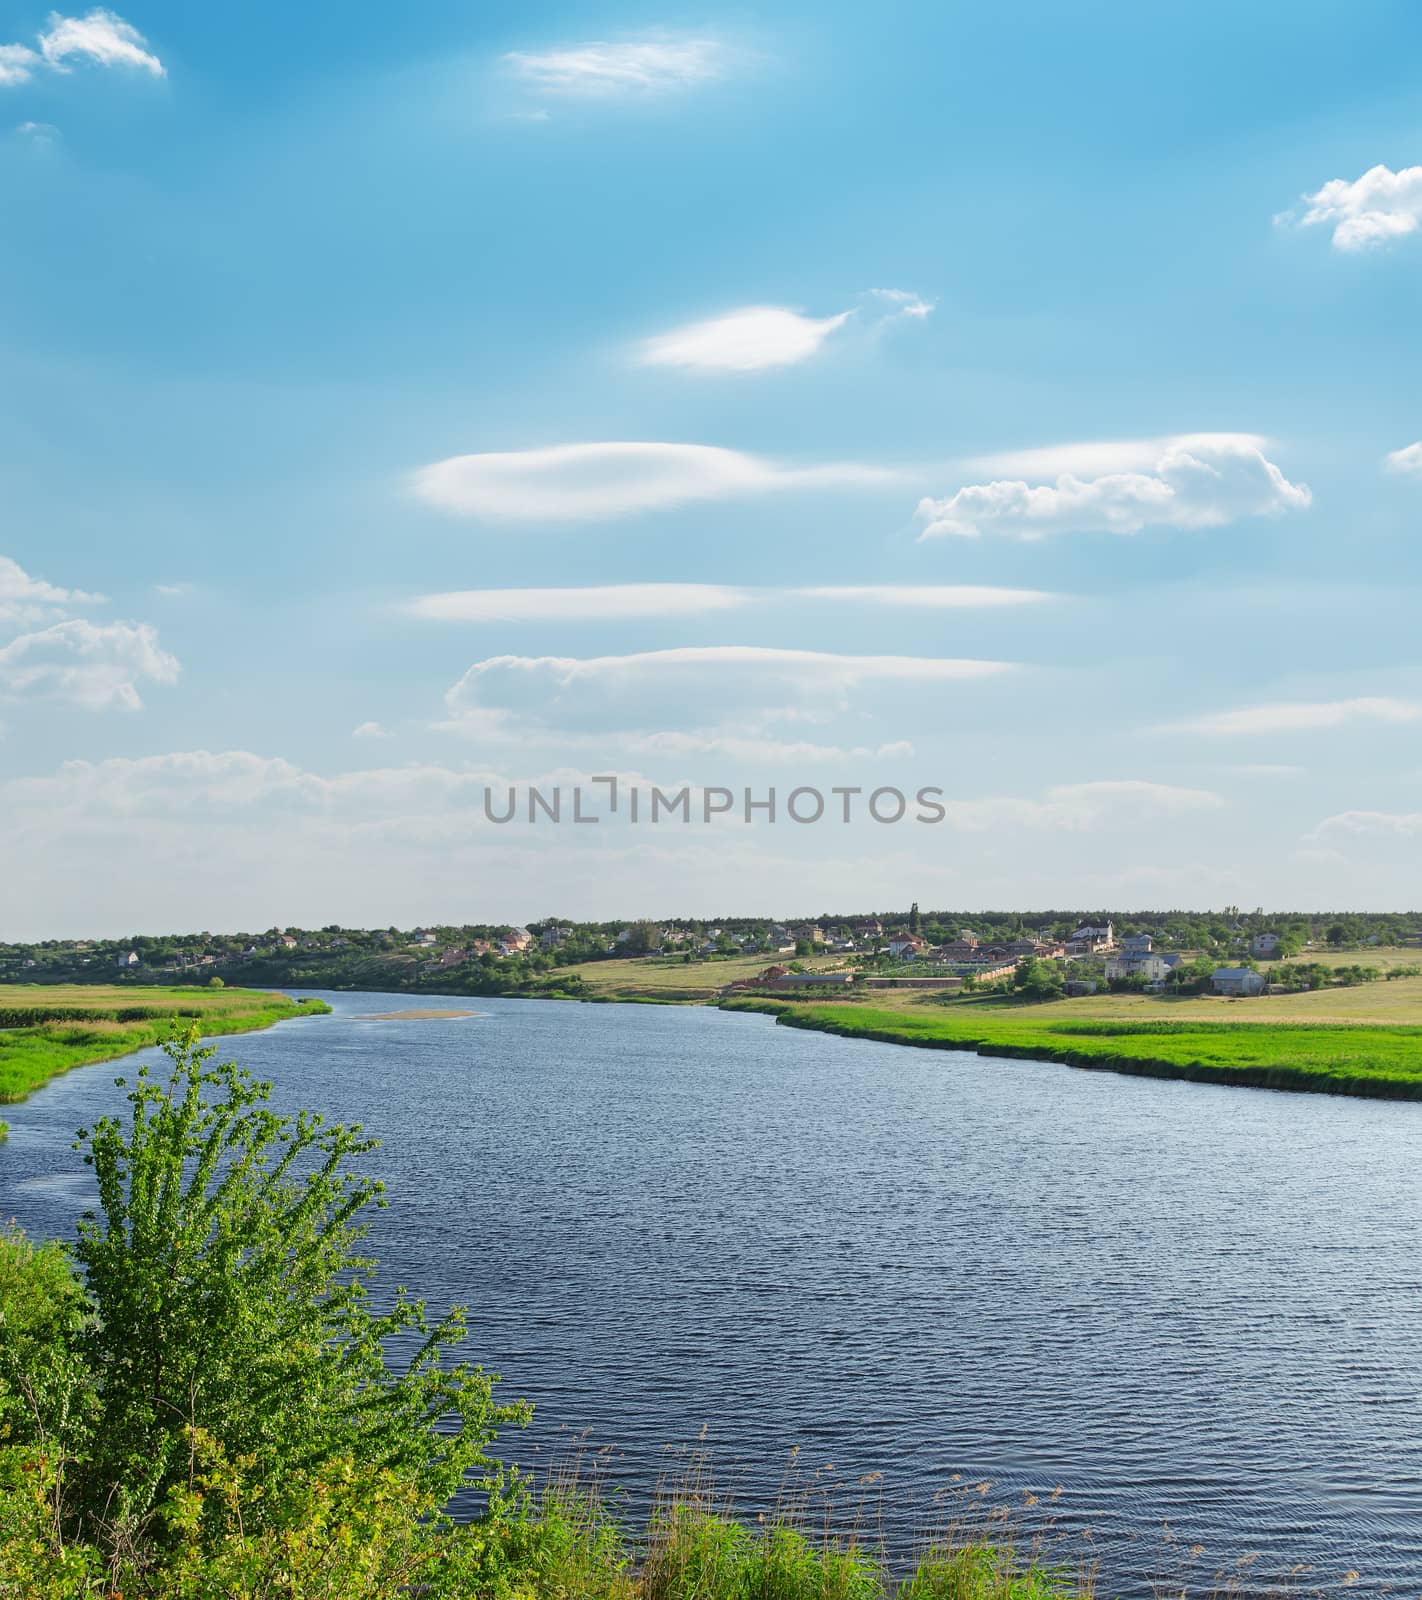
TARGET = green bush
x,y
218,1376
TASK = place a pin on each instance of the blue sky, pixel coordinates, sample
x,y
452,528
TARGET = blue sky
x,y
1073,350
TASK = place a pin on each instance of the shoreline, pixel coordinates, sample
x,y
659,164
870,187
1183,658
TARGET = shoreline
x,y
842,1022
40,1043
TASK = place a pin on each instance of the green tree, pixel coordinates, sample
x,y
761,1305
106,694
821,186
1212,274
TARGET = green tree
x,y
1336,935
1036,979
230,1329
643,938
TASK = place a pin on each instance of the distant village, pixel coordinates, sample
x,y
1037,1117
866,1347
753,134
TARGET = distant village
x,y
1230,953
1092,953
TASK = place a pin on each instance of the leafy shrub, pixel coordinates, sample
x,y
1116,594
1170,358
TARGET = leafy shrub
x,y
218,1382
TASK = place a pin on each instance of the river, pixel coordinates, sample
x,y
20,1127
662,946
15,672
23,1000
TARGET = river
x,y
1197,1310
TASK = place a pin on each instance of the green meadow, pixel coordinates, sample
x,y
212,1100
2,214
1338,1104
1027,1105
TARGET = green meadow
x,y
47,1029
1381,1059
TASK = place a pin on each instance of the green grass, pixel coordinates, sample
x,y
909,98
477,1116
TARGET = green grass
x,y
671,978
1332,1058
1385,956
47,1030
693,1548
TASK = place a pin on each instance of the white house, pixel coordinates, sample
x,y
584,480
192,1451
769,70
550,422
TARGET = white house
x,y
1238,981
1100,936
1152,968
1264,944
1137,944
128,958
905,946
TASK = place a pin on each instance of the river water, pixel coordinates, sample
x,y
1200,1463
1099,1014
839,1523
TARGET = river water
x,y
1196,1310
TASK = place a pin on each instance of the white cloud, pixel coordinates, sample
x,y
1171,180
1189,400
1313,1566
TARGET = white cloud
x,y
611,602
1095,458
930,596
905,302
99,36
683,689
1198,481
1081,806
1300,716
95,665
751,749
369,730
17,64
38,133
203,785
609,70
250,840
624,601
1390,824
1366,212
749,340
26,600
1407,460
757,338
589,482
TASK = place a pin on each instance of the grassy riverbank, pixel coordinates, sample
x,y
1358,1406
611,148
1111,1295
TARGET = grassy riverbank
x,y
47,1029
1264,1049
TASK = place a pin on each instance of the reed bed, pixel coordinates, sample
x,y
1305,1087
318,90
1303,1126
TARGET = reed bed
x,y
695,1543
824,1539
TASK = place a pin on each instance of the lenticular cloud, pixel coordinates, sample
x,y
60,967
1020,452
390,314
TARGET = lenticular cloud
x,y
591,482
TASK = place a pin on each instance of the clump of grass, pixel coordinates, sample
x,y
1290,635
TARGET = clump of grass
x,y
987,1572
695,1553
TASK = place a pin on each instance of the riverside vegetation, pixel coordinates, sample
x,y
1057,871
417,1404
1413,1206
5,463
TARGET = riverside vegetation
x,y
1372,1058
47,1029
197,1403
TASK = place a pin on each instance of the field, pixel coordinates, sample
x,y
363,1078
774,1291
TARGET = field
x,y
1387,957
671,978
1360,1041
45,1030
